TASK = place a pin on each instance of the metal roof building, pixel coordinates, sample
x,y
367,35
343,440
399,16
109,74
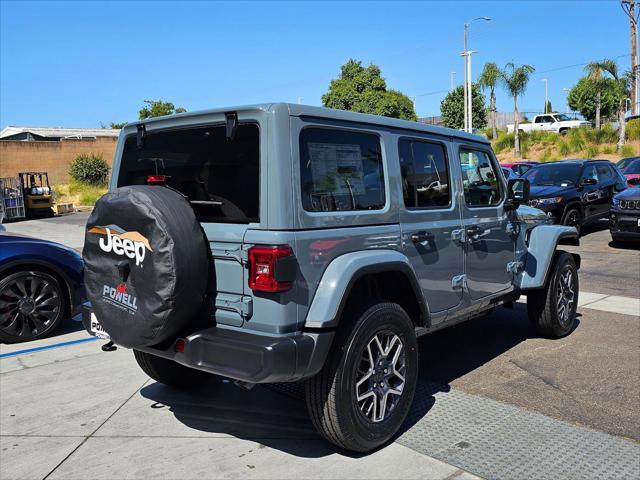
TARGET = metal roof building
x,y
33,134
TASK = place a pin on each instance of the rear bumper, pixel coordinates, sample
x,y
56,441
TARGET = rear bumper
x,y
246,356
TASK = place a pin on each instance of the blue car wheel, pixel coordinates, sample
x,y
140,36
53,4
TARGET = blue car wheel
x,y
32,304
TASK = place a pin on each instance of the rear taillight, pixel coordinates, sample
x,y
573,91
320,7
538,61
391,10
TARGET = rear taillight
x,y
157,179
271,268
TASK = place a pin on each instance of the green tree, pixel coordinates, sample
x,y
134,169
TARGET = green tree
x,y
361,89
117,126
595,74
547,107
583,96
452,108
488,80
515,80
622,85
158,108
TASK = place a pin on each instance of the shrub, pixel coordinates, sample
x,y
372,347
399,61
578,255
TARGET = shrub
x,y
90,168
628,151
488,132
575,139
563,148
504,142
632,129
607,149
592,151
606,134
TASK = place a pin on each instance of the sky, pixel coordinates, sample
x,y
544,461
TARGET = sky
x,y
83,64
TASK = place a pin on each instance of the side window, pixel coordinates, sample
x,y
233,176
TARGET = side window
x,y
539,120
479,179
591,173
340,170
605,173
425,174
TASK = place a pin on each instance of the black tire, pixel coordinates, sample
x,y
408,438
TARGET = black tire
x,y
168,372
564,131
572,217
331,395
33,304
544,305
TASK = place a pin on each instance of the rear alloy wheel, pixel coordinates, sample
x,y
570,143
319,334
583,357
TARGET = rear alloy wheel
x,y
572,218
362,395
32,305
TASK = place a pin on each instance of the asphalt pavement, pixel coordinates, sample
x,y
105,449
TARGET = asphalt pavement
x,y
493,400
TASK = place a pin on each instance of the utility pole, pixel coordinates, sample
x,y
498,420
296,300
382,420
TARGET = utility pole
x,y
546,94
629,7
453,74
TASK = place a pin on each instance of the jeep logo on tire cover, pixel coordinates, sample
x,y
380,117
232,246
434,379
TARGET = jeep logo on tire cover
x,y
122,243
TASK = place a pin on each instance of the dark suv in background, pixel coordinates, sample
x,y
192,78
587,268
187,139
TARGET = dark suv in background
x,y
574,192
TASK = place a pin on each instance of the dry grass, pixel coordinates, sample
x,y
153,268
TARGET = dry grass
x,y
77,193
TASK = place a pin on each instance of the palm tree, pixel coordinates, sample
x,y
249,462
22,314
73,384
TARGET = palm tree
x,y
595,74
622,83
489,79
515,80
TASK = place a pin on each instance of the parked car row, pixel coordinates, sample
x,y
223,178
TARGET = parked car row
x,y
582,191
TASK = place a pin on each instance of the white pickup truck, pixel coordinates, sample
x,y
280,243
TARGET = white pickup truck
x,y
550,122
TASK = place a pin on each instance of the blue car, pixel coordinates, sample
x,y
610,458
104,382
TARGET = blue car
x,y
40,287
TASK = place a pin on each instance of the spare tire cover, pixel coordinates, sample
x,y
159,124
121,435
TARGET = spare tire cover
x,y
146,264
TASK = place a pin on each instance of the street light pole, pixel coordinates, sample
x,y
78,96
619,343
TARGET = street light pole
x,y
546,94
464,56
468,94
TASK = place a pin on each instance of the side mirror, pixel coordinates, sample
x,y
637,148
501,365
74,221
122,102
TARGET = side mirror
x,y
518,192
589,181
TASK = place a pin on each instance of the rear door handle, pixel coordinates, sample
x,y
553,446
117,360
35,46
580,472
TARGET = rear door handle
x,y
474,230
421,237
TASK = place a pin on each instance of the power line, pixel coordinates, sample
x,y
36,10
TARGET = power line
x,y
574,65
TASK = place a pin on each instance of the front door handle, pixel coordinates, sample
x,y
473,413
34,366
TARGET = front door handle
x,y
421,237
475,232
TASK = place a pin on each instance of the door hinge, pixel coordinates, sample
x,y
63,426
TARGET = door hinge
x,y
241,304
458,235
515,267
513,229
459,281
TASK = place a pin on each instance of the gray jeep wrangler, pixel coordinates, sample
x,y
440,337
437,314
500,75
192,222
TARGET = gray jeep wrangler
x,y
280,243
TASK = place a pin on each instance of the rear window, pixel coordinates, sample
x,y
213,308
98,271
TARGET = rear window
x,y
340,170
220,177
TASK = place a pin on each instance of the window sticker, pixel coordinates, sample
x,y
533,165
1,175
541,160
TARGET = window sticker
x,y
336,168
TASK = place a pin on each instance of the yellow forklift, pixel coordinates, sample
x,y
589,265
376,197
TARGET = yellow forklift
x,y
38,195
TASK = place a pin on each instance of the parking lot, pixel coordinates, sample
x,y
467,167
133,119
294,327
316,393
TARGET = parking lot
x,y
493,401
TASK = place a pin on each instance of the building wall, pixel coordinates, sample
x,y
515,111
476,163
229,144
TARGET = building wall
x,y
52,157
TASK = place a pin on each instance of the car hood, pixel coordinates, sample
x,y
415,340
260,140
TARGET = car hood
x,y
544,191
632,193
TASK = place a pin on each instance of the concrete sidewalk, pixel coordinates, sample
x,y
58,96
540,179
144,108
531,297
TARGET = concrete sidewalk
x,y
76,412
91,414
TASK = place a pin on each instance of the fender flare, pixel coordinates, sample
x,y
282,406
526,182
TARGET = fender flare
x,y
539,256
344,271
